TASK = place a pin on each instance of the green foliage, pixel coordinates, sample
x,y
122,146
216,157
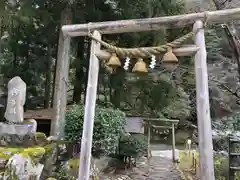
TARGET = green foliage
x,y
230,123
221,164
179,107
61,174
33,28
134,145
213,41
226,125
108,126
155,97
220,143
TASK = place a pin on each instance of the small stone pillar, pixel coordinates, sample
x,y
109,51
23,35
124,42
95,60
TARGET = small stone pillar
x,y
16,100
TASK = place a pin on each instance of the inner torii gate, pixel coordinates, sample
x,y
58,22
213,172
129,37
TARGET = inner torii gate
x,y
136,25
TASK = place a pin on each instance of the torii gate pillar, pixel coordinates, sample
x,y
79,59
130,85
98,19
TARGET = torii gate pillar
x,y
203,108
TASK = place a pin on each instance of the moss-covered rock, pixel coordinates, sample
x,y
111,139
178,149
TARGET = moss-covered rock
x,y
21,166
32,156
72,167
41,138
8,152
28,140
49,160
15,140
33,152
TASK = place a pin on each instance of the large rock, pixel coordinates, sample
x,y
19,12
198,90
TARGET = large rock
x,y
98,165
18,134
21,164
22,168
50,162
19,129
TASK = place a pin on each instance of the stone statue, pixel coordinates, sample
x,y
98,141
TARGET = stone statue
x,y
16,100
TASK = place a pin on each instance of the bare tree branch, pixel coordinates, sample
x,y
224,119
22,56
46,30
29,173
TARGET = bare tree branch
x,y
232,92
233,40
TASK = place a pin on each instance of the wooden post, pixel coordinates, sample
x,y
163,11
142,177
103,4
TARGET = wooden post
x,y
230,158
61,78
60,90
149,139
173,143
203,109
89,112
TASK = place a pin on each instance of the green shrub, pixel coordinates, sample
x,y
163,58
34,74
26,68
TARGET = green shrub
x,y
134,145
222,168
108,127
228,123
61,174
220,143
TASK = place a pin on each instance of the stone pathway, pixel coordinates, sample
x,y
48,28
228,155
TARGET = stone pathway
x,y
162,169
159,167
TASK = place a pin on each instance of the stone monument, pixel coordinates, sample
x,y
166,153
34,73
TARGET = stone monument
x,y
16,100
15,130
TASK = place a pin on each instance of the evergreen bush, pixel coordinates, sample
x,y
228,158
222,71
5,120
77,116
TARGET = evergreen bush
x,y
134,145
108,127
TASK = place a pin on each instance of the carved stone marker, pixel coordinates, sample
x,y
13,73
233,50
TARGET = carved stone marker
x,y
17,132
16,100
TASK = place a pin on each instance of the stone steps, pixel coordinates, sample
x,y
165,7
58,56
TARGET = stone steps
x,y
163,169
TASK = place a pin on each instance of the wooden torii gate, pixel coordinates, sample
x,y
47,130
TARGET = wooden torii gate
x,y
136,25
153,123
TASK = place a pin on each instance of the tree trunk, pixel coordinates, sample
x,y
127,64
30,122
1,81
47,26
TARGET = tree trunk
x,y
1,34
60,99
55,70
15,53
47,93
79,76
116,84
105,87
86,73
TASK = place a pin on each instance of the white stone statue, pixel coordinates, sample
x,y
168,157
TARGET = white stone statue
x,y
16,100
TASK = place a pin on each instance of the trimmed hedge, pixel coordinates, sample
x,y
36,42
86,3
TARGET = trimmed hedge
x,y
108,127
134,145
